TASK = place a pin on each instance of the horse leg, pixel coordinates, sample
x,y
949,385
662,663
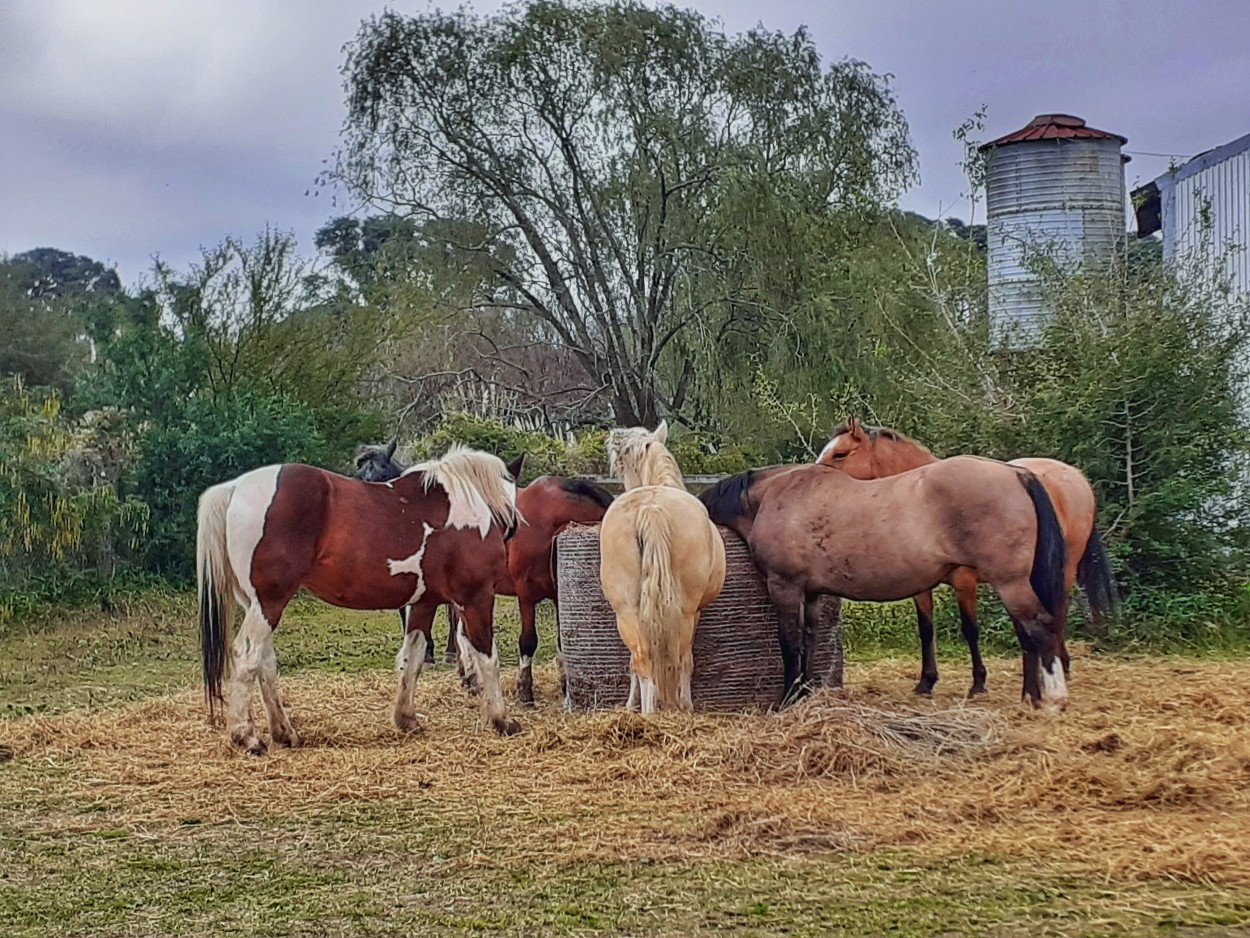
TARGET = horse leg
x,y
928,644
468,677
478,634
1045,686
685,701
409,662
247,659
789,599
632,702
452,654
280,728
964,583
528,647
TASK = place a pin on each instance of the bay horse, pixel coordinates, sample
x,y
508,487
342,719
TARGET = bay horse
x,y
662,562
549,504
814,531
434,535
875,452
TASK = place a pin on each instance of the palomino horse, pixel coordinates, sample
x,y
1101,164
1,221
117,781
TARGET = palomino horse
x,y
548,504
814,531
875,452
662,562
435,535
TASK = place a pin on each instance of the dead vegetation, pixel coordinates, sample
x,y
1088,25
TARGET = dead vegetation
x,y
1146,776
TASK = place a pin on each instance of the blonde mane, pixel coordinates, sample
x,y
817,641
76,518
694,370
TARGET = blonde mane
x,y
478,488
639,458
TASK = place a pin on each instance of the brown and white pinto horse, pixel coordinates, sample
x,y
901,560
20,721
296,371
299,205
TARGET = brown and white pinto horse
x,y
548,504
813,532
435,535
876,452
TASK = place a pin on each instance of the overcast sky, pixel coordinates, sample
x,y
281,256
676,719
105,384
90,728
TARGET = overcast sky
x,y
130,128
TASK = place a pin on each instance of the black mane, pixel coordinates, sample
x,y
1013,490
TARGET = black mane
x,y
584,488
726,500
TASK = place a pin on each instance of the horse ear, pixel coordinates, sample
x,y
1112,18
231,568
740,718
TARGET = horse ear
x,y
514,467
855,426
661,432
390,450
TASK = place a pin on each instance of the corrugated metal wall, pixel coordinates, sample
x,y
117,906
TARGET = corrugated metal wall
x,y
1064,197
1218,196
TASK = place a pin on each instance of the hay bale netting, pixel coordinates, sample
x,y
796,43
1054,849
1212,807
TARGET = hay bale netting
x,y
737,659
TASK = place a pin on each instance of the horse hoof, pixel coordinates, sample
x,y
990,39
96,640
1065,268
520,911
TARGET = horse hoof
x,y
506,726
429,656
255,747
976,690
924,689
289,740
409,724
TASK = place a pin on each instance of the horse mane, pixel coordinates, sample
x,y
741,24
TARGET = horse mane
x,y
629,453
727,499
475,487
584,488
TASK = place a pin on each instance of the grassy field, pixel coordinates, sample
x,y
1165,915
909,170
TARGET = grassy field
x,y
123,813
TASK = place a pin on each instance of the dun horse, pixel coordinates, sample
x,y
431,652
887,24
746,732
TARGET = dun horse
x,y
435,535
548,504
875,452
813,531
662,562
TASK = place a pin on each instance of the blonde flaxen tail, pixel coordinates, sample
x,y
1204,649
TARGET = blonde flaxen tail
x,y
660,618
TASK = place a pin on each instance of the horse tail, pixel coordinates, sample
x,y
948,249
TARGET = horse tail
x,y
215,585
659,605
1097,581
1050,554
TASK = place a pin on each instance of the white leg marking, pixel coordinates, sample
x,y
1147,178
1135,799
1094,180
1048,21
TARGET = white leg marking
x,y
409,661
487,669
632,702
280,727
247,661
648,694
1054,686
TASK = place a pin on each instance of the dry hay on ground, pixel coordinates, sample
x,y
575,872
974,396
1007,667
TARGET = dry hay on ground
x,y
1147,774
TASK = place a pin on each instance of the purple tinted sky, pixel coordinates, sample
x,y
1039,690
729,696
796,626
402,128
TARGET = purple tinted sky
x,y
137,127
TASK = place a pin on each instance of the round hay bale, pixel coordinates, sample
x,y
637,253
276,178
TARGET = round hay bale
x,y
737,658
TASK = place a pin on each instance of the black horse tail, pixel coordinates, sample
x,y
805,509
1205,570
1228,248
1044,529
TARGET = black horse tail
x,y
1050,555
1097,582
215,589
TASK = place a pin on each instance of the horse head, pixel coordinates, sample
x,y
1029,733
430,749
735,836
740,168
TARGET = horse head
x,y
850,450
639,457
377,463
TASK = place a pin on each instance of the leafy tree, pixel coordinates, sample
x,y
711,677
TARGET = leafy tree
x,y
618,164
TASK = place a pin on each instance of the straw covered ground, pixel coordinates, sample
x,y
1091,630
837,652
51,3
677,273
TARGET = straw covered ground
x,y
1131,811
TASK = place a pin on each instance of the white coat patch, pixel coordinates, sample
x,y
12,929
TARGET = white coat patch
x,y
413,564
828,448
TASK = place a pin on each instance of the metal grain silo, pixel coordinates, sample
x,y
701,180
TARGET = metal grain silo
x,y
1054,188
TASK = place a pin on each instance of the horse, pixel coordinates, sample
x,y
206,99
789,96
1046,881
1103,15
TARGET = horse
x,y
814,531
662,562
548,504
875,452
434,535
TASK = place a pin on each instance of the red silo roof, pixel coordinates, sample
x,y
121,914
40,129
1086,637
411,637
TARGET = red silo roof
x,y
1054,127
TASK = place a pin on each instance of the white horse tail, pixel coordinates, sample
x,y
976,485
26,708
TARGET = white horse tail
x,y
216,586
660,619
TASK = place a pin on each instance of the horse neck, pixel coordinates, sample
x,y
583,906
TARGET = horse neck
x,y
658,467
890,457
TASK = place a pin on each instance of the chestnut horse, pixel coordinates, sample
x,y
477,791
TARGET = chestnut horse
x,y
548,504
814,531
662,562
434,535
875,452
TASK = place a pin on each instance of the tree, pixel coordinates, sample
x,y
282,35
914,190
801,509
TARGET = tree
x,y
606,158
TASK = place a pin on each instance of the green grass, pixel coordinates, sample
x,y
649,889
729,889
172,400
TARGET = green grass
x,y
340,875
